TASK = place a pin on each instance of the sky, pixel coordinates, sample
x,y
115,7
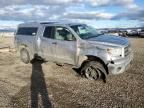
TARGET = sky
x,y
98,13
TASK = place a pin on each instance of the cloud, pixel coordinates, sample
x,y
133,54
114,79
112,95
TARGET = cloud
x,y
37,2
35,10
88,15
131,15
29,12
124,3
51,12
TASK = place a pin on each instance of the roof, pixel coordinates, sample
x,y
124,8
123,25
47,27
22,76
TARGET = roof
x,y
61,23
47,23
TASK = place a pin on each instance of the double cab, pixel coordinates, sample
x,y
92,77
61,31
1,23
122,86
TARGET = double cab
x,y
82,46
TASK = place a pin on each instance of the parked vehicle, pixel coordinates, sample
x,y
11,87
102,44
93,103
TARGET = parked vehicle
x,y
132,33
141,33
95,54
123,33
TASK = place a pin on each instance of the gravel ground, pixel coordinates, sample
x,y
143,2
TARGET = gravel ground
x,y
39,85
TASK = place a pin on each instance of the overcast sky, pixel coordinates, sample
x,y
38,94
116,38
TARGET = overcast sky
x,y
99,13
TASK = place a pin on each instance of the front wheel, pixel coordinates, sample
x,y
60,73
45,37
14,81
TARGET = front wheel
x,y
94,70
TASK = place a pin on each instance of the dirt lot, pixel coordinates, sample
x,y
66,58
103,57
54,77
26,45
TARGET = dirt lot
x,y
48,85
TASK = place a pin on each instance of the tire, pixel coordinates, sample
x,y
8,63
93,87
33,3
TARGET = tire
x,y
24,55
94,70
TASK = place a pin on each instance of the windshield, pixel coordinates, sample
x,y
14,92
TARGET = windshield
x,y
85,31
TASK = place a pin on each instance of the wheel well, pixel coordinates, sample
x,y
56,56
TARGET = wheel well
x,y
24,47
95,58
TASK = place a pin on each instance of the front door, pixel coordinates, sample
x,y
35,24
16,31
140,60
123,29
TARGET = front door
x,y
65,45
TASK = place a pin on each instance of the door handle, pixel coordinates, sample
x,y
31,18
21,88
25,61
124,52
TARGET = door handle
x,y
54,43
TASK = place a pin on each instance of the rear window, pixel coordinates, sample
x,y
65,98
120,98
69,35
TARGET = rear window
x,y
27,31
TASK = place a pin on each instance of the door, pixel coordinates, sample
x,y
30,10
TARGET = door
x,y
65,45
47,44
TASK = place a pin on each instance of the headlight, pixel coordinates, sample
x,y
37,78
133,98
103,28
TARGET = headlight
x,y
115,51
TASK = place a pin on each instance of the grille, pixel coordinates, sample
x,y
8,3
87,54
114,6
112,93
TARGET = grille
x,y
127,50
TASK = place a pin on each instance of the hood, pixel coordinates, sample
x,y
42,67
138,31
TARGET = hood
x,y
111,39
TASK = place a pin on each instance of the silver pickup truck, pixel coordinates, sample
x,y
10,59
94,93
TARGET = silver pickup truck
x,y
95,54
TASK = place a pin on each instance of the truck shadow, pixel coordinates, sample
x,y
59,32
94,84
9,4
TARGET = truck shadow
x,y
38,86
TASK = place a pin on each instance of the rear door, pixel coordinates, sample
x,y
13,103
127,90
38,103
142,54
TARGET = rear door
x,y
47,44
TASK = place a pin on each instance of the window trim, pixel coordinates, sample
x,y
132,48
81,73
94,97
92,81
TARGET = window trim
x,y
52,30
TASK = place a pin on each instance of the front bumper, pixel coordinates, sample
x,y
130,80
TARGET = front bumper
x,y
121,65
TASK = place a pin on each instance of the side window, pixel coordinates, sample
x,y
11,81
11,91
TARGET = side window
x,y
48,32
30,31
62,33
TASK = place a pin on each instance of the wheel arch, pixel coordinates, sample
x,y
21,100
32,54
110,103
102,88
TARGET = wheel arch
x,y
95,58
23,46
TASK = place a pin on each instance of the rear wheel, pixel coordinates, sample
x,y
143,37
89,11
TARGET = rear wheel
x,y
94,70
24,55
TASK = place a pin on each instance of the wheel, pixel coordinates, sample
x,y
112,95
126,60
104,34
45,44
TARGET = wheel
x,y
94,70
24,55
